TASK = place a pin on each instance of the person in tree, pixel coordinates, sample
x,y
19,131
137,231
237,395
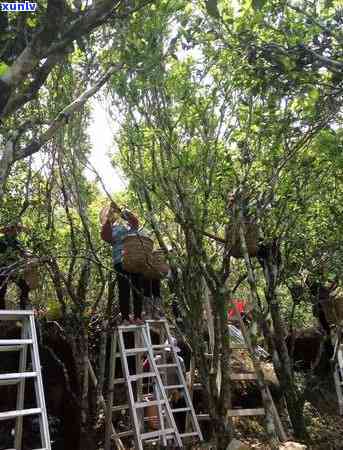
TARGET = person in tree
x,y
114,232
11,251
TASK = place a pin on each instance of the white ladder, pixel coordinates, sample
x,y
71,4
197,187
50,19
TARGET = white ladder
x,y
168,434
174,368
28,340
337,360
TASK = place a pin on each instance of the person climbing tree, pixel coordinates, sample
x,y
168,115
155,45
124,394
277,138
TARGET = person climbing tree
x,y
11,251
114,233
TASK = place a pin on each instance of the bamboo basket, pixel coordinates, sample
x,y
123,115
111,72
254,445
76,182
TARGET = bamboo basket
x,y
137,251
31,276
157,266
251,237
152,417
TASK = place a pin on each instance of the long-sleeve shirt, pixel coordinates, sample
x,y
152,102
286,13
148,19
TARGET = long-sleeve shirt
x,y
115,234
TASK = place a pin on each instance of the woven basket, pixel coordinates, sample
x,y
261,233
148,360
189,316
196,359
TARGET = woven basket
x,y
251,237
157,267
136,253
31,276
151,415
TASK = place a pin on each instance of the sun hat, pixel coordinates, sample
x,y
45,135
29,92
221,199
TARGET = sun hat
x,y
173,344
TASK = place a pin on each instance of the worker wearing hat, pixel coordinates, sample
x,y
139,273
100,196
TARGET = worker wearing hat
x,y
11,251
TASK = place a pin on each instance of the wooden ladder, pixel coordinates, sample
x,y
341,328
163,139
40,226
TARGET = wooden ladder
x,y
27,341
168,434
252,376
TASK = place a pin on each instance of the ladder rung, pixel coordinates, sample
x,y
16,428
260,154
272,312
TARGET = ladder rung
x,y
243,376
149,403
119,407
198,386
14,314
157,433
15,342
134,351
11,348
139,376
160,346
246,412
165,366
174,386
124,434
17,376
185,435
9,382
177,410
156,321
130,327
119,381
21,413
203,416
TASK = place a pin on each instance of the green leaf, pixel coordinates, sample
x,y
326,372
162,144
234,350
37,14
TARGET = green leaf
x,y
258,4
212,8
32,22
3,68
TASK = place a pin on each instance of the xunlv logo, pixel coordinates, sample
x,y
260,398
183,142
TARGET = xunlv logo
x,y
17,6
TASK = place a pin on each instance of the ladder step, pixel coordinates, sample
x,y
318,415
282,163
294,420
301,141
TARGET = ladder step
x,y
246,412
130,327
119,381
160,346
186,435
11,348
24,412
119,408
203,416
154,434
134,351
140,376
149,403
9,382
13,314
243,376
174,386
165,366
124,434
177,410
17,376
15,342
156,321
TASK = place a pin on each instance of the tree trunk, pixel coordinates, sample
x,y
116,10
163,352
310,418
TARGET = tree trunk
x,y
270,260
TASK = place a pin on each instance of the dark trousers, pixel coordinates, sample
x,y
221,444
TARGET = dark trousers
x,y
152,288
22,285
128,282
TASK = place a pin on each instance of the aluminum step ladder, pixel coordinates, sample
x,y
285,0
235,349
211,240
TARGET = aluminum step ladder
x,y
27,341
337,361
170,366
167,434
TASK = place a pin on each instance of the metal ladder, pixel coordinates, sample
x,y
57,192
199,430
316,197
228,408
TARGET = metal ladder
x,y
28,340
163,330
337,360
168,434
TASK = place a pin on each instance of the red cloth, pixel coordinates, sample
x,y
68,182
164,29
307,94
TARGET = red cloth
x,y
240,306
